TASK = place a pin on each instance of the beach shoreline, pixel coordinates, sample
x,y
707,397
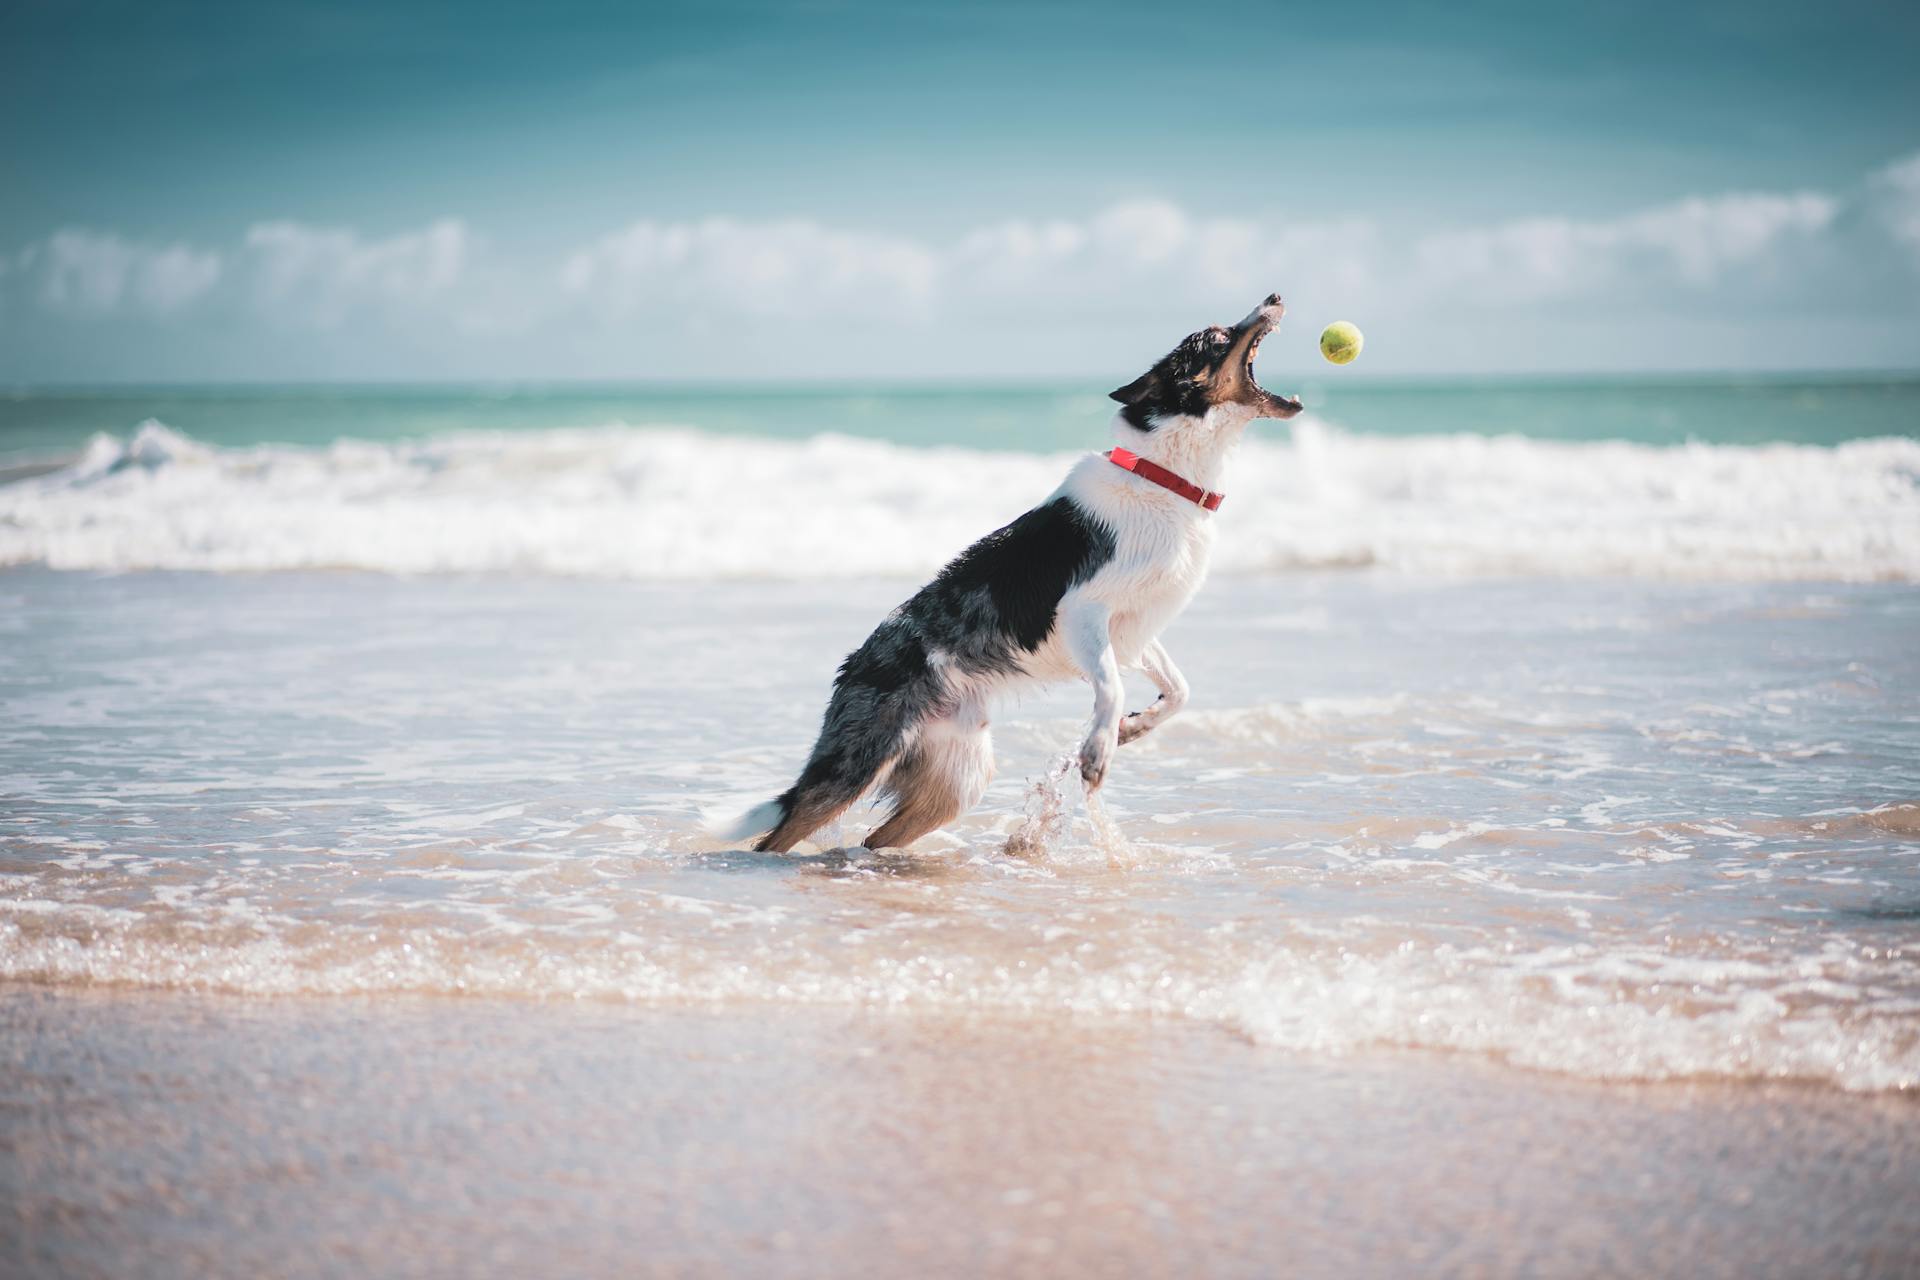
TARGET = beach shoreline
x,y
1594,829
1514,818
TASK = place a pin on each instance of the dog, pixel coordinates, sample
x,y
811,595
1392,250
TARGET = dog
x,y
1080,587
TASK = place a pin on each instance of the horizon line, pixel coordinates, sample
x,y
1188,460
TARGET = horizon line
x,y
982,383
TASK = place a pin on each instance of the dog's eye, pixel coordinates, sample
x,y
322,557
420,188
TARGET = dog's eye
x,y
1218,337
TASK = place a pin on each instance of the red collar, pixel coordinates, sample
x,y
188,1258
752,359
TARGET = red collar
x,y
1129,461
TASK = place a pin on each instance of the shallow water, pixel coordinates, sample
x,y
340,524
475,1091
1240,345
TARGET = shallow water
x,y
1618,829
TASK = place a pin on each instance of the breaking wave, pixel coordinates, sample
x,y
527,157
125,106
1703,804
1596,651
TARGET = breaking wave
x,y
669,503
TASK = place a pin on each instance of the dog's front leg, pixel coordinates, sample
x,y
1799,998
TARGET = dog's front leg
x,y
1084,628
1159,668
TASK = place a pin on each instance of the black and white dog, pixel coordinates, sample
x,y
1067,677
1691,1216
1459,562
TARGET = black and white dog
x,y
1079,587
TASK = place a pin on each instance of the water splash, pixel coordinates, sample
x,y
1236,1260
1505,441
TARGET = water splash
x,y
1048,828
1048,813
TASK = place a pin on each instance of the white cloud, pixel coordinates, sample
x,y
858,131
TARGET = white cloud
x,y
88,272
323,274
1693,241
1114,254
175,276
641,297
1156,251
1142,234
785,269
1893,196
779,268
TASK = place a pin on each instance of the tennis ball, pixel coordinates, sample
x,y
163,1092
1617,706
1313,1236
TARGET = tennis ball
x,y
1340,342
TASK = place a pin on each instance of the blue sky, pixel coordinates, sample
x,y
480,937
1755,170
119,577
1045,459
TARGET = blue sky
x,y
267,191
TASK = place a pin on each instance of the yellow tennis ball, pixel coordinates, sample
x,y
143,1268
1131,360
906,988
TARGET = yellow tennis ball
x,y
1340,342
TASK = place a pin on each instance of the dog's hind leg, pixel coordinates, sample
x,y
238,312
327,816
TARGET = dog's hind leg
x,y
940,777
887,694
852,754
808,807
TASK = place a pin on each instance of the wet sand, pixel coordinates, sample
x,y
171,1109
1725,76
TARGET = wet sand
x,y
175,1134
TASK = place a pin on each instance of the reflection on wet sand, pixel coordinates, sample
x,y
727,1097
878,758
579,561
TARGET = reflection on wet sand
x,y
422,1136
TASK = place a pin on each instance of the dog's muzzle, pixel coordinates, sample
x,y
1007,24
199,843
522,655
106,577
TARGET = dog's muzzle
x,y
1235,382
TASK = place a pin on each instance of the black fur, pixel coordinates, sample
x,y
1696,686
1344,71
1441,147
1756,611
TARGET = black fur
x,y
1179,383
1022,570
994,602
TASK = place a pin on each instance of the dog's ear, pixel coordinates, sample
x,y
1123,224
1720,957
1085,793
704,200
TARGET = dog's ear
x,y
1139,389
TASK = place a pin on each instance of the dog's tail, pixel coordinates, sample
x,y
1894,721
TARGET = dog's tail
x,y
756,821
829,784
878,701
842,767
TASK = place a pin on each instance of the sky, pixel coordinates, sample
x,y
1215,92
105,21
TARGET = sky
x,y
884,192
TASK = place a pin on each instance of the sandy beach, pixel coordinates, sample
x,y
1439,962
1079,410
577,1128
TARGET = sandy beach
x,y
186,1135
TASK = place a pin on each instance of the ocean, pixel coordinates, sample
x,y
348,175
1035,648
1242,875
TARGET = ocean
x,y
1667,410
1551,745
1704,480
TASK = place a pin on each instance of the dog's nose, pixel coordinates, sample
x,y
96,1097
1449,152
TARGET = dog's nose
x,y
1273,300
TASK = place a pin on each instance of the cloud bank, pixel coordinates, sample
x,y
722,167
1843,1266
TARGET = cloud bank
x,y
1762,274
85,272
322,276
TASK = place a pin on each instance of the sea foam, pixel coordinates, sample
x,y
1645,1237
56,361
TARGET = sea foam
x,y
668,503
1602,1008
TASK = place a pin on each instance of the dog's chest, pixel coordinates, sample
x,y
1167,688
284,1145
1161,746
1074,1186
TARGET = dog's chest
x,y
1159,561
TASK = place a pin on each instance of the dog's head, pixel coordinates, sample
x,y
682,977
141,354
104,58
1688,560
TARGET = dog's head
x,y
1210,371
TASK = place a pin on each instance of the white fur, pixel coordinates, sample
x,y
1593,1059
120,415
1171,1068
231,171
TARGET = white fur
x,y
1162,546
946,770
1157,663
756,821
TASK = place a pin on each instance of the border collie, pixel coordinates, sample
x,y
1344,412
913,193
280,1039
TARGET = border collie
x,y
1080,587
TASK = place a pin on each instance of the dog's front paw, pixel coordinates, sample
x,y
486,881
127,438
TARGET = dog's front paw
x,y
1133,726
1096,753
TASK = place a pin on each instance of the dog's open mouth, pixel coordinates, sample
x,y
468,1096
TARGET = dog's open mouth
x,y
1241,386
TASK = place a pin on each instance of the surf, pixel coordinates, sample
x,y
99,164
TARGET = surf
x,y
659,502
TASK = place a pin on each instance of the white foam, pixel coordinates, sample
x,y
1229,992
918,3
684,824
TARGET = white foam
x,y
1617,1010
665,503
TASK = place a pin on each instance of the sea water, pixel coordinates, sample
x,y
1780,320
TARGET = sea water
x,y
1599,756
